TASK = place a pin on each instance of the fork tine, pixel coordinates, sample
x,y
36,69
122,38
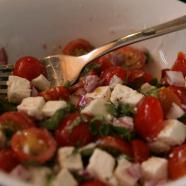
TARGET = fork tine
x,y
3,83
3,91
4,74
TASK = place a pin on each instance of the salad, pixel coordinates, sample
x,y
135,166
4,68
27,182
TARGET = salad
x,y
116,126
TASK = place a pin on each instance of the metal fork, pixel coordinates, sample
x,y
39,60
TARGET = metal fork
x,y
63,68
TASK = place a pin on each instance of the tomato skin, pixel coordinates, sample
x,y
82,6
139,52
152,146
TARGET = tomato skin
x,y
167,97
93,183
132,58
77,135
180,64
56,93
29,68
148,120
19,121
107,75
180,92
138,77
140,150
115,143
8,160
78,44
105,62
38,152
177,162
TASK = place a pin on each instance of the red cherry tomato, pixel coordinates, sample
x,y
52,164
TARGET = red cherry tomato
x,y
148,120
177,162
33,145
105,62
115,143
73,131
140,150
55,93
167,97
131,58
77,47
14,121
93,183
29,68
180,92
138,77
8,160
180,64
107,75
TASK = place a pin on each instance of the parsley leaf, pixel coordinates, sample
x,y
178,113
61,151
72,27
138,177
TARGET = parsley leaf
x,y
89,67
125,110
112,109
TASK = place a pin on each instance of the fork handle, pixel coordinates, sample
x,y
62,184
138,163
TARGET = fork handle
x,y
152,32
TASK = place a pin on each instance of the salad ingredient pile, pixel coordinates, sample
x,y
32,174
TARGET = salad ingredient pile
x,y
116,126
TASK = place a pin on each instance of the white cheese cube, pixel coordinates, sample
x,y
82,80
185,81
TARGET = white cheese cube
x,y
41,83
64,178
175,78
51,107
18,89
125,95
97,107
32,106
155,168
40,176
101,165
123,175
159,146
175,112
100,92
174,132
114,81
69,159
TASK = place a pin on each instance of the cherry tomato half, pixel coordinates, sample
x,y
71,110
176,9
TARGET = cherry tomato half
x,y
115,143
8,160
148,120
55,93
180,64
14,121
33,145
29,68
140,150
73,131
167,97
177,162
107,75
132,58
77,47
93,183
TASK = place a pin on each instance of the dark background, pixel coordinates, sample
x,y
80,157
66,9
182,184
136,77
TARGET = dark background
x,y
183,1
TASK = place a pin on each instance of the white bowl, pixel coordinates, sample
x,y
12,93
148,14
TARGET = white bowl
x,y
25,26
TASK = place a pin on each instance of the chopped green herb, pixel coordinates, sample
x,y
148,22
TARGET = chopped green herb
x,y
125,110
53,122
6,107
111,108
87,152
67,84
89,67
182,118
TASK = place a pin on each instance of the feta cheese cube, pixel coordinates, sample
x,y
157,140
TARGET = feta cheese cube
x,y
18,89
64,178
69,159
159,146
175,112
97,107
114,81
100,92
126,95
32,106
155,168
174,132
41,83
101,165
40,176
51,107
123,175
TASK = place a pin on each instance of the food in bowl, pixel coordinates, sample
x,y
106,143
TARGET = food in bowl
x,y
116,126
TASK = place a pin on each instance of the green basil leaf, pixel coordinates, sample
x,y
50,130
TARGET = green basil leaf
x,y
111,109
125,110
